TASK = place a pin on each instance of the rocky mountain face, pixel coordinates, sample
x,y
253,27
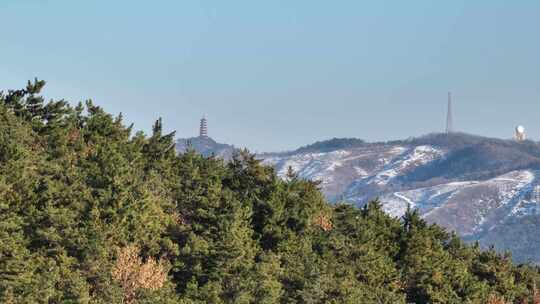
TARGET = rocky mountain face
x,y
484,189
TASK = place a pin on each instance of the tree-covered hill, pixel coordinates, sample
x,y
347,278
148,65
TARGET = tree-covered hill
x,y
91,212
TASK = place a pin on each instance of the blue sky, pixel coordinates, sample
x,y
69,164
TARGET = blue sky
x,y
274,75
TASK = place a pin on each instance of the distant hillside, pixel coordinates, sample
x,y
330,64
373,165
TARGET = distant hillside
x,y
206,146
468,184
330,145
485,189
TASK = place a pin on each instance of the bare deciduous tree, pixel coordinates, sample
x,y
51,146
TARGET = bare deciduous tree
x,y
132,273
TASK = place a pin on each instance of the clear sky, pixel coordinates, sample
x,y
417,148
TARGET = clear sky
x,y
274,75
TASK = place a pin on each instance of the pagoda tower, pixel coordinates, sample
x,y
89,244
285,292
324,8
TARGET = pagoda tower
x,y
203,129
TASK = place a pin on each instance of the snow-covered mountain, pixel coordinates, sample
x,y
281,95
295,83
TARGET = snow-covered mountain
x,y
484,189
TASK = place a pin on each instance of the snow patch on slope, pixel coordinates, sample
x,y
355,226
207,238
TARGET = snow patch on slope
x,y
408,159
424,199
324,166
506,191
313,166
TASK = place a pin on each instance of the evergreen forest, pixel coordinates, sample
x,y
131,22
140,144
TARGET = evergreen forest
x,y
92,211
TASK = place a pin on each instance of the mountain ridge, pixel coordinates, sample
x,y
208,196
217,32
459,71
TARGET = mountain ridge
x,y
469,184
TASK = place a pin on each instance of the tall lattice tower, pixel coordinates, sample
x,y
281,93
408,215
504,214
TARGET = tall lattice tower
x,y
203,129
449,117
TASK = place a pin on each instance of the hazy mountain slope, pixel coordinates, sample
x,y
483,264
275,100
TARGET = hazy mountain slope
x,y
206,146
468,184
485,189
470,207
338,169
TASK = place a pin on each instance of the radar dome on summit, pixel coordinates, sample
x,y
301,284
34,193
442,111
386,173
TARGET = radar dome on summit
x,y
520,133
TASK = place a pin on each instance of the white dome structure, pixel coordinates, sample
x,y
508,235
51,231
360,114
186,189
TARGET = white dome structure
x,y
520,134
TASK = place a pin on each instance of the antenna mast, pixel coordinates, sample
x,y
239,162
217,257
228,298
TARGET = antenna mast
x,y
449,118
